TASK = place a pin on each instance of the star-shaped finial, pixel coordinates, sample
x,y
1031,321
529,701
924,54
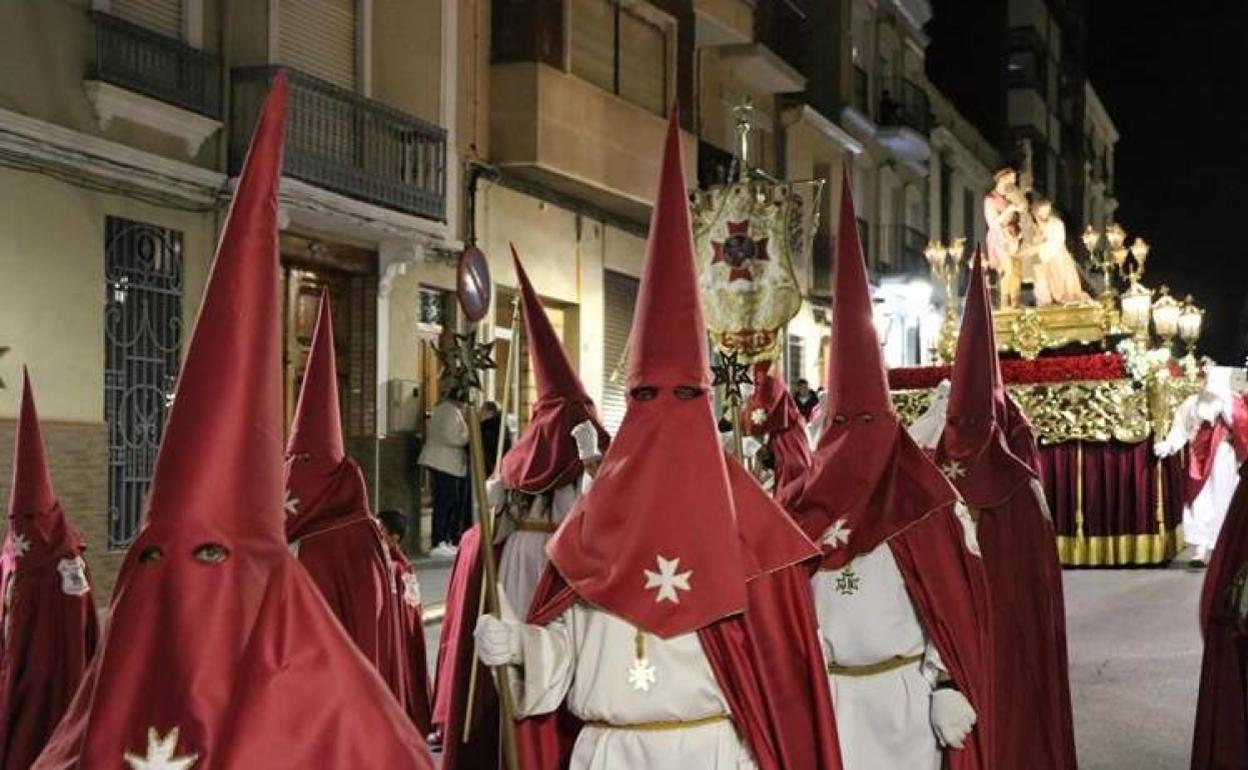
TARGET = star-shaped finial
x,y
953,470
732,373
160,754
667,580
463,361
290,503
838,535
20,545
642,675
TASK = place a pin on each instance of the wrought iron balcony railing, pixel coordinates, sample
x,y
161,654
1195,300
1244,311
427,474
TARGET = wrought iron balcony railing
x,y
905,103
902,252
344,142
151,64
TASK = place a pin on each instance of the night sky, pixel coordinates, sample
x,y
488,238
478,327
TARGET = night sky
x,y
1176,86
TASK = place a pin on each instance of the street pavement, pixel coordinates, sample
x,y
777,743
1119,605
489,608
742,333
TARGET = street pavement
x,y
1134,654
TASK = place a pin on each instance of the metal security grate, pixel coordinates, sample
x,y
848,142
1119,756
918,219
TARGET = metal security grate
x,y
142,352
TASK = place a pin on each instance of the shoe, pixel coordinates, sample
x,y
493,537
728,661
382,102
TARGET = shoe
x,y
444,549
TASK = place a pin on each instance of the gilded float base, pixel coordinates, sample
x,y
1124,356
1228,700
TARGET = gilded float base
x,y
1119,550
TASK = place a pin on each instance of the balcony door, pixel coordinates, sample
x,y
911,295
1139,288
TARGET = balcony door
x,y
320,38
162,16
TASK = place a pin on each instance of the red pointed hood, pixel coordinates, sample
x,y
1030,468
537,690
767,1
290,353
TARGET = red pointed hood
x,y
39,532
317,427
324,487
869,479
188,611
546,456
972,449
655,539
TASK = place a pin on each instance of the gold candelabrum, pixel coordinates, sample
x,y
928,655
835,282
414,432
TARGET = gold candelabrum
x,y
945,260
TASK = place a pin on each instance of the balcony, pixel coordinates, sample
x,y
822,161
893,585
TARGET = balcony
x,y
553,129
159,82
345,143
905,119
902,251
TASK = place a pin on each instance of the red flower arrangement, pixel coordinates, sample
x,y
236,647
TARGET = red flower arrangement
x,y
1096,366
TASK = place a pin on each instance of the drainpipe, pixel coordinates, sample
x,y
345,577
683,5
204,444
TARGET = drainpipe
x,y
474,171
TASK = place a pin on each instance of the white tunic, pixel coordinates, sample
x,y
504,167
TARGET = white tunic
x,y
524,553
866,617
585,655
1203,519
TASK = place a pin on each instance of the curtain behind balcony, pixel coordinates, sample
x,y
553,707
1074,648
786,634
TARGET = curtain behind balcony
x,y
319,38
163,16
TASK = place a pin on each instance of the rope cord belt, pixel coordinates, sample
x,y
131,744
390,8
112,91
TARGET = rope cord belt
x,y
884,666
536,525
656,726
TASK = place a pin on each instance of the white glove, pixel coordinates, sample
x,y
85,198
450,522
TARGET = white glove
x,y
1163,449
586,437
495,492
952,717
498,641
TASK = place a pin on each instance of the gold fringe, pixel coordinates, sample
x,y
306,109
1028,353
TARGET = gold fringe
x,y
1118,550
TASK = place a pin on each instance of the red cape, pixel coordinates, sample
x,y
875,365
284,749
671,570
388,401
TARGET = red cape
x,y
1204,446
949,589
416,659
1221,739
347,559
49,641
456,659
49,635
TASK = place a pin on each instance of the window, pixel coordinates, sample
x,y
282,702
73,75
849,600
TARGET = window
x,y
946,200
968,217
142,355
795,359
319,38
621,50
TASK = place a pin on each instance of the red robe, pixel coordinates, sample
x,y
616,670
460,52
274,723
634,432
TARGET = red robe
x,y
416,659
347,558
1221,739
456,659
48,640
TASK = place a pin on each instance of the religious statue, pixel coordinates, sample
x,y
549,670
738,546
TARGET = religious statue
x,y
1002,208
1056,278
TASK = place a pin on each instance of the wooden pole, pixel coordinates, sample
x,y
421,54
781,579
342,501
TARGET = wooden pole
x,y
513,351
502,674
